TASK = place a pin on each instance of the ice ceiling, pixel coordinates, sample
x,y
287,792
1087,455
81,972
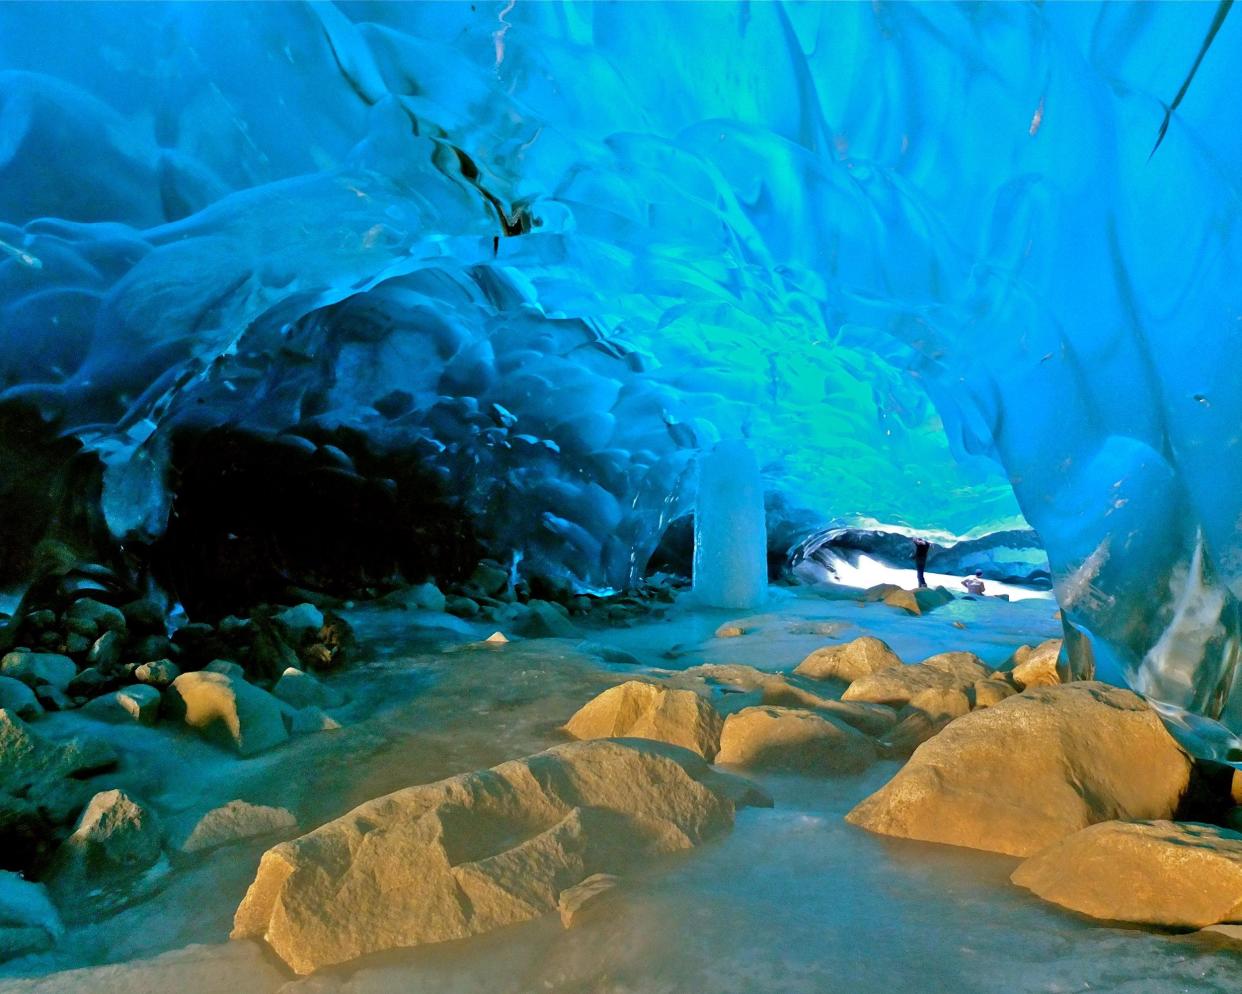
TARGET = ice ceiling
x,y
921,256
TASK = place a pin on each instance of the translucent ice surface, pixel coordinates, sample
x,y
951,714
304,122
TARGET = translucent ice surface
x,y
730,536
923,256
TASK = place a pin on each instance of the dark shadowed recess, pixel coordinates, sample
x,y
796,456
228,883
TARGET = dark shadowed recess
x,y
49,489
256,516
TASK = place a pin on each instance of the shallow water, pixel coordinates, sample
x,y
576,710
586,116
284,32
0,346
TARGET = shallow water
x,y
794,899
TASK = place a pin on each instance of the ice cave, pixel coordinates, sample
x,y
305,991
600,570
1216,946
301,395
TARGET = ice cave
x,y
620,497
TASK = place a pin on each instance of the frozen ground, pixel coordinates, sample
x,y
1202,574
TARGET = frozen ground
x,y
792,900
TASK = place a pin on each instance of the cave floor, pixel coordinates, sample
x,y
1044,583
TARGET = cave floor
x,y
793,899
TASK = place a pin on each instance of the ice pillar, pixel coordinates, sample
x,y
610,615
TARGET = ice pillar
x,y
730,533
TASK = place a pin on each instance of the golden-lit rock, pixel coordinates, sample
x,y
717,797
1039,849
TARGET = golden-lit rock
x,y
861,657
641,710
1176,875
480,851
986,693
1037,667
1025,773
760,687
775,738
227,710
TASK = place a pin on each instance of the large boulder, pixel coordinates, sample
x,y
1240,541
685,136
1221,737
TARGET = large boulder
x,y
33,668
1148,872
299,689
544,619
139,703
227,710
227,667
113,858
641,710
914,728
31,766
105,652
115,835
425,597
91,618
15,696
849,662
480,851
144,616
776,738
1020,775
312,719
870,719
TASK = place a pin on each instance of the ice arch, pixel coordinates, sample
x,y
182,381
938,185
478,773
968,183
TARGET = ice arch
x,y
560,248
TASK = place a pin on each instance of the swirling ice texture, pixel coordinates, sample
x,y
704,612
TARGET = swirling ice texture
x,y
848,232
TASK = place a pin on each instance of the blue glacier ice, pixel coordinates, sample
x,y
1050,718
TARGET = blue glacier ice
x,y
730,528
922,257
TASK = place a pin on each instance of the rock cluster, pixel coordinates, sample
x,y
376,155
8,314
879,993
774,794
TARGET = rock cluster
x,y
91,648
813,735
926,696
538,608
41,788
117,665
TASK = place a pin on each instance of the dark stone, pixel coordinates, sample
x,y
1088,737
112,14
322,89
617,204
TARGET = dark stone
x,y
38,621
198,644
394,404
269,655
462,607
145,616
106,652
335,646
52,698
150,647
28,836
91,682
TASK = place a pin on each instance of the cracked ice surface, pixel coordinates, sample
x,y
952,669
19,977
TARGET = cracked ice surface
x,y
559,248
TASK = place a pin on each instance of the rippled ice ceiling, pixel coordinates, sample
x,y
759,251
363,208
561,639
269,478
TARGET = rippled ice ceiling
x,y
921,255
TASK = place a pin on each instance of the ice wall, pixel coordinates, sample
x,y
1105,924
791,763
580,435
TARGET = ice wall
x,y
561,248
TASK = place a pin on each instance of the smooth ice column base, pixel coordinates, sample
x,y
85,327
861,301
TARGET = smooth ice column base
x,y
730,532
